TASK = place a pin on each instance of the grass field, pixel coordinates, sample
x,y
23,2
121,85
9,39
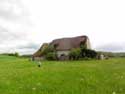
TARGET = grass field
x,y
20,76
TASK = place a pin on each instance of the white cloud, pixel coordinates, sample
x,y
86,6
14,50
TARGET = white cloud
x,y
112,47
12,10
103,21
14,25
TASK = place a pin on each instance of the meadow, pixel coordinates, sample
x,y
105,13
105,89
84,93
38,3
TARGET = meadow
x,y
21,76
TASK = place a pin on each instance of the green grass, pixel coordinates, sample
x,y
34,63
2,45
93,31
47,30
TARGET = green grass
x,y
20,76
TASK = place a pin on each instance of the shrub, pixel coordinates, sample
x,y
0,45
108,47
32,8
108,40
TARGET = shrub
x,y
88,53
47,50
75,54
51,56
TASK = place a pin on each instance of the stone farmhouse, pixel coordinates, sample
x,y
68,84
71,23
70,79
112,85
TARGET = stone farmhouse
x,y
63,46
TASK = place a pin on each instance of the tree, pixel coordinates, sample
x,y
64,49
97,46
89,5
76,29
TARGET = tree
x,y
16,54
90,53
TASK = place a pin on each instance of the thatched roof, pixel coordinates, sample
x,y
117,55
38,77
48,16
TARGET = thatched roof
x,y
39,52
69,43
63,44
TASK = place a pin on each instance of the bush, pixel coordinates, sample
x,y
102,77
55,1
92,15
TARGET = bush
x,y
75,54
48,50
51,56
49,53
78,53
88,53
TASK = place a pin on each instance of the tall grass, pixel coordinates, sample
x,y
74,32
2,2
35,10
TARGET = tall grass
x,y
21,76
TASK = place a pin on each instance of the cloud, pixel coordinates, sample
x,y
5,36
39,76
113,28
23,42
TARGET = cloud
x,y
112,47
28,46
12,10
14,27
5,35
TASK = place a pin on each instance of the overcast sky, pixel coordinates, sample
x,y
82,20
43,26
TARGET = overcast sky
x,y
26,24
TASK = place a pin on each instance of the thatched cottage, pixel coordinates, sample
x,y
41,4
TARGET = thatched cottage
x,y
63,46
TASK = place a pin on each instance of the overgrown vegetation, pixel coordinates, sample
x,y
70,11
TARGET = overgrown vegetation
x,y
50,53
51,56
75,54
82,52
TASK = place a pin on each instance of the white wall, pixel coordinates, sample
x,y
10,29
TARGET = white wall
x,y
59,53
88,44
